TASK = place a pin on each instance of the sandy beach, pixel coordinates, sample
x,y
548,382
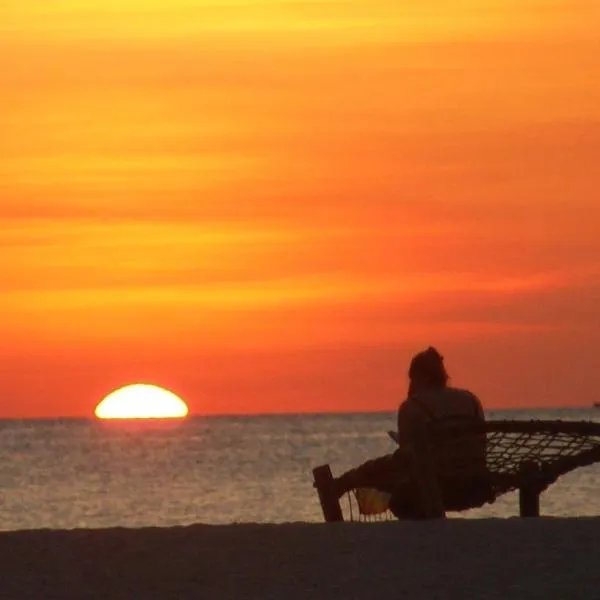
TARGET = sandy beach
x,y
513,558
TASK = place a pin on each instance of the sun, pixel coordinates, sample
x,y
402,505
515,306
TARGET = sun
x,y
141,401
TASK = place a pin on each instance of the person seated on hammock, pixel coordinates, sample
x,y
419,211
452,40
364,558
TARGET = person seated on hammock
x,y
430,405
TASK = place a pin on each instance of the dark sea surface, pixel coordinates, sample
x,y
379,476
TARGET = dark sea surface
x,y
71,473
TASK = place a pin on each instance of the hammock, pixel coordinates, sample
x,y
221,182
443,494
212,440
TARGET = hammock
x,y
528,456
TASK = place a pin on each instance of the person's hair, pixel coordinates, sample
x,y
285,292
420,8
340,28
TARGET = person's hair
x,y
429,366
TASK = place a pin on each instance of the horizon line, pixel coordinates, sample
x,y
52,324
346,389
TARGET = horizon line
x,y
198,415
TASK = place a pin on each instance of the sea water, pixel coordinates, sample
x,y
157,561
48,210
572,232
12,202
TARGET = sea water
x,y
70,473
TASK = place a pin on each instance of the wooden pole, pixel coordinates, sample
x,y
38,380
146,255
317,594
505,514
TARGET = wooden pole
x,y
529,490
328,498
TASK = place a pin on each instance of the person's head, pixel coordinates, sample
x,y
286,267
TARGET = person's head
x,y
427,371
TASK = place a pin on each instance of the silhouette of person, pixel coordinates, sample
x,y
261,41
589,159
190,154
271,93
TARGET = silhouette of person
x,y
430,403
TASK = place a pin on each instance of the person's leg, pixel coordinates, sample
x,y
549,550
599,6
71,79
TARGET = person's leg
x,y
404,504
385,473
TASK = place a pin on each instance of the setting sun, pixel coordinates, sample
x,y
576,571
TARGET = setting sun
x,y
141,401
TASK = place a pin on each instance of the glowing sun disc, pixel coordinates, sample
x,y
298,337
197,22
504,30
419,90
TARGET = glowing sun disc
x,y
141,401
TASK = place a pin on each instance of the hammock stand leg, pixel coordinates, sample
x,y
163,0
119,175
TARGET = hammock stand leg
x,y
529,490
330,503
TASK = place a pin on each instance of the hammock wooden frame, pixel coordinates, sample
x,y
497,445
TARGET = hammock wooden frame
x,y
527,456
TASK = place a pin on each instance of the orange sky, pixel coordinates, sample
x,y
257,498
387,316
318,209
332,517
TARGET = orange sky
x,y
269,205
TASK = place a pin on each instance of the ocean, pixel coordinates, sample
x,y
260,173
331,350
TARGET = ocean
x,y
70,473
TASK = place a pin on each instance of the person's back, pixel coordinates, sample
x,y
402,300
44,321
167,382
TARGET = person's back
x,y
452,419
455,422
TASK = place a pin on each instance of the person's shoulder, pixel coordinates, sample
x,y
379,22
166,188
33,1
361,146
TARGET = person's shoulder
x,y
447,392
408,403
411,407
462,395
466,397
460,391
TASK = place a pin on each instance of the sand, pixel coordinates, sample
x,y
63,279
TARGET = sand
x,y
458,558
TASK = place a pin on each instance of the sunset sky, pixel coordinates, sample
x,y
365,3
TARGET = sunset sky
x,y
270,205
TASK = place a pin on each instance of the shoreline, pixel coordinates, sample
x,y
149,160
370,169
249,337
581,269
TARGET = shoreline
x,y
455,558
